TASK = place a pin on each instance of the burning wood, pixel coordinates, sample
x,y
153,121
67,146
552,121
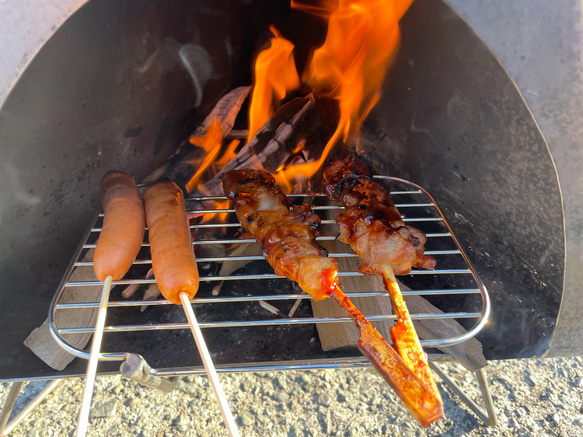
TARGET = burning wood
x,y
225,112
269,148
189,159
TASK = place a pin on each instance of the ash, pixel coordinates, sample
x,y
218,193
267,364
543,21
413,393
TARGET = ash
x,y
532,398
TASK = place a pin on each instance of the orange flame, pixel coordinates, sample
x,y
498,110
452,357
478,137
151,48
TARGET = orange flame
x,y
323,11
222,216
275,75
211,142
229,154
351,64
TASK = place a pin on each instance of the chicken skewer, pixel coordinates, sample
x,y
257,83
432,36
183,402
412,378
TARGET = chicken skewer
x,y
372,226
288,240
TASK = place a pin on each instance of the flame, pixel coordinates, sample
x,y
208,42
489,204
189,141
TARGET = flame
x,y
275,75
221,216
351,64
229,154
211,142
283,181
323,11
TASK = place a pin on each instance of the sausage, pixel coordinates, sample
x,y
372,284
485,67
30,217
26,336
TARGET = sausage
x,y
173,260
122,232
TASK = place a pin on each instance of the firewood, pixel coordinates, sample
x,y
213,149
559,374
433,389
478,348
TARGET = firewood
x,y
342,335
130,290
270,147
188,158
152,292
41,342
225,111
469,354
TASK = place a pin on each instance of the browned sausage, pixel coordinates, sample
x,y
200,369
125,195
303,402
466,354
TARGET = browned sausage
x,y
173,260
122,232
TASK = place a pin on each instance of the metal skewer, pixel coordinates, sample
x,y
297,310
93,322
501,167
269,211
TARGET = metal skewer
x,y
209,366
83,420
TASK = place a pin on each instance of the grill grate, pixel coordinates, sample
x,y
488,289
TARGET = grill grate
x,y
453,286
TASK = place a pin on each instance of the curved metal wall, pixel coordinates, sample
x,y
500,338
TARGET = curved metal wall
x,y
120,83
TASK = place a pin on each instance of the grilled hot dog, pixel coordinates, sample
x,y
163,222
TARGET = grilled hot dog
x,y
173,260
122,232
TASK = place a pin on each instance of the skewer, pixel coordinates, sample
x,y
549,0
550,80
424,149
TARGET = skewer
x,y
404,336
209,366
423,403
83,420
295,306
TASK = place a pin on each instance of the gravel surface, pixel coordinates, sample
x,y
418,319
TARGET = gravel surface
x,y
532,398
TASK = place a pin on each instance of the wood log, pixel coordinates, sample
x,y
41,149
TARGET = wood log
x,y
469,354
41,342
182,166
342,335
270,147
225,111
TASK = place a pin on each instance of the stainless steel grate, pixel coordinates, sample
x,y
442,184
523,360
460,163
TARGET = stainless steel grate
x,y
453,286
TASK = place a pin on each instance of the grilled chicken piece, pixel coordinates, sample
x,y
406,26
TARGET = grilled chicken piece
x,y
371,224
288,238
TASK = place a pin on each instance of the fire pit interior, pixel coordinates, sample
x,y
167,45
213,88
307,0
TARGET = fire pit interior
x,y
124,85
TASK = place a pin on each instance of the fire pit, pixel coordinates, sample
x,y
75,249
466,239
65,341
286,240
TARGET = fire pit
x,y
474,161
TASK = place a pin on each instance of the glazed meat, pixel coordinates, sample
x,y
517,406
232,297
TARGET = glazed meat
x,y
288,238
371,224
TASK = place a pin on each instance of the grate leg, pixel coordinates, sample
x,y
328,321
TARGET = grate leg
x,y
9,404
489,416
487,398
5,428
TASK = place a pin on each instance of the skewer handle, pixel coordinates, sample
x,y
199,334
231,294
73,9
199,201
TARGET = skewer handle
x,y
209,366
421,402
404,336
93,360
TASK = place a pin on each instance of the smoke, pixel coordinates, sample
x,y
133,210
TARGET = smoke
x,y
197,62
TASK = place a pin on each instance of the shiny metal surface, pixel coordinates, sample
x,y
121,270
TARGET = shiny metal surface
x,y
420,203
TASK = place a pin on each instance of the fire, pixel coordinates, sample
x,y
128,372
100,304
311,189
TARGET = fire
x,y
228,155
324,10
211,142
222,216
349,67
275,75
285,183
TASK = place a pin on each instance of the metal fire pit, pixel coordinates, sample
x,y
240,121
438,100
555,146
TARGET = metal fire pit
x,y
240,333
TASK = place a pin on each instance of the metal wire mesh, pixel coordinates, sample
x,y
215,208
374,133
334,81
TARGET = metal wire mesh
x,y
453,286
